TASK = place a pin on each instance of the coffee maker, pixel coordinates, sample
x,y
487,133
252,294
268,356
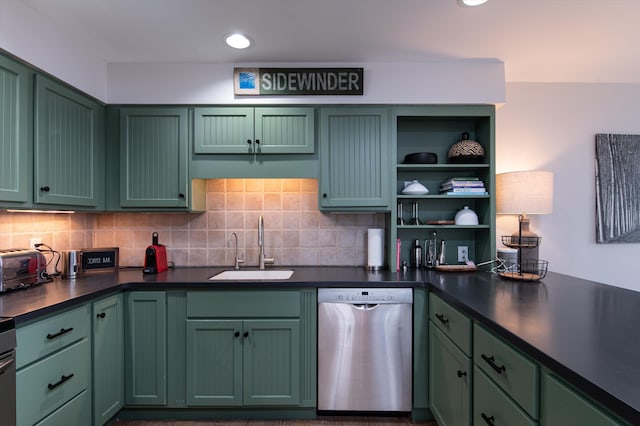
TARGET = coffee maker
x,y
155,257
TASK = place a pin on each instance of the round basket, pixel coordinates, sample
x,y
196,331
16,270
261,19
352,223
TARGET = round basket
x,y
466,151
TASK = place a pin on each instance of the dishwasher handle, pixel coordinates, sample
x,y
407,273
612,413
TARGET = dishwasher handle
x,y
365,306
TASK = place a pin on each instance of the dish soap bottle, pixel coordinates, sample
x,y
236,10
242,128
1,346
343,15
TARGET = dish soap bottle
x,y
415,256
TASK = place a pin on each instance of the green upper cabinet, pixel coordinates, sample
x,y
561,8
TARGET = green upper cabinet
x,y
108,358
15,140
69,147
154,144
247,130
354,158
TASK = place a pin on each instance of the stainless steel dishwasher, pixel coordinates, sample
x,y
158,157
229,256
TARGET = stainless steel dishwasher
x,y
7,372
365,349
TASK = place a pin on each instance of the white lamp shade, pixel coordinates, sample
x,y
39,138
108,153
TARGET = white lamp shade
x,y
529,192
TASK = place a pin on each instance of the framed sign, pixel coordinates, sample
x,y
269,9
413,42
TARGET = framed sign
x,y
297,81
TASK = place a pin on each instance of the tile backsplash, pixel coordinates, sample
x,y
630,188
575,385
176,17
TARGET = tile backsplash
x,y
296,232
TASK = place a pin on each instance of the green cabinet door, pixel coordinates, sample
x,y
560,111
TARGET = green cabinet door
x,y
69,147
214,362
354,158
154,146
562,405
15,143
247,130
271,352
235,362
450,381
145,348
108,358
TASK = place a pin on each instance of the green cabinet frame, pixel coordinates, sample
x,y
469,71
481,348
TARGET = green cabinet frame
x,y
16,161
108,358
354,159
248,130
68,147
145,348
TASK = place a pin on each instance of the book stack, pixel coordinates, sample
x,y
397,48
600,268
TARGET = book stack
x,y
463,186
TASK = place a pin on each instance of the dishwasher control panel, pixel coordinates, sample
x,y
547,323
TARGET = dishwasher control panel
x,y
365,295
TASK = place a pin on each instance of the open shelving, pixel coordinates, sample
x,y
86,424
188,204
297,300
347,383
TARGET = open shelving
x,y
435,129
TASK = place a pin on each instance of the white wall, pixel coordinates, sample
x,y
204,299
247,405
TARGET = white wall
x,y
547,126
28,36
438,82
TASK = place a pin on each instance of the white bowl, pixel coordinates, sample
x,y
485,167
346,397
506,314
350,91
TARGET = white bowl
x,y
415,188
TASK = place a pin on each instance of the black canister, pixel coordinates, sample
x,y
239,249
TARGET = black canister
x,y
415,255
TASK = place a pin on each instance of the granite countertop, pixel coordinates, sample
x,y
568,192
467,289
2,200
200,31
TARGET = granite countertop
x,y
584,331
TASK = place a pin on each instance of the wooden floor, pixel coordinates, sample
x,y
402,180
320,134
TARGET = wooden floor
x,y
320,421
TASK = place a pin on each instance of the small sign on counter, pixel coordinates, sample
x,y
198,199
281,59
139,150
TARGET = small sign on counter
x,y
99,258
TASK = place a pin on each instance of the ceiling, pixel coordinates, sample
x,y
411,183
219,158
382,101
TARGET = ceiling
x,y
538,40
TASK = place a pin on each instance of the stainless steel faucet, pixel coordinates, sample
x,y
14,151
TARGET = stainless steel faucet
x,y
236,261
261,259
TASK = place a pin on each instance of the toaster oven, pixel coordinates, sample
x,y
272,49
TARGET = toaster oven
x,y
21,268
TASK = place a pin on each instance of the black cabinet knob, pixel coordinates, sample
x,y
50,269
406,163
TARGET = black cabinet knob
x,y
246,334
45,188
258,141
249,141
236,334
324,195
181,195
101,315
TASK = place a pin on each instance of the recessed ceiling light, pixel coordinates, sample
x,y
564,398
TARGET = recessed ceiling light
x,y
471,2
237,41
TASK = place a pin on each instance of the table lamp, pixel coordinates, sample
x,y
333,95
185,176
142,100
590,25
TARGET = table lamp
x,y
522,193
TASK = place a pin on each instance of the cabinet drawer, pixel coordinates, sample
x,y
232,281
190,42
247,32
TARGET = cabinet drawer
x,y
492,407
245,304
44,386
452,322
563,406
48,335
512,371
75,412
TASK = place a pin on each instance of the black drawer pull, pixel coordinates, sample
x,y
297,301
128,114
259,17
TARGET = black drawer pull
x,y
59,333
461,373
101,315
488,420
491,361
442,319
59,382
45,189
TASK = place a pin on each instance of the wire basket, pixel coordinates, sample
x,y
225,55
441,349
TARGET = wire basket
x,y
528,270
514,241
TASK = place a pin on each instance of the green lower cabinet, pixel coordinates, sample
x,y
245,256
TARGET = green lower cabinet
x,y
563,405
243,362
108,358
491,406
74,412
145,348
449,380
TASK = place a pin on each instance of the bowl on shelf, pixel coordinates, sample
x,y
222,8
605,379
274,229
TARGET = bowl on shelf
x,y
421,158
414,188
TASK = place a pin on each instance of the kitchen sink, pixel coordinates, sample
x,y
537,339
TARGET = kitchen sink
x,y
260,274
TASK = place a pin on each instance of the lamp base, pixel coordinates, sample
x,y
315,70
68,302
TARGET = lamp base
x,y
528,251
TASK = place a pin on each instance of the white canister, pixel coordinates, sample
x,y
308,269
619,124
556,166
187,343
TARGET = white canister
x,y
466,216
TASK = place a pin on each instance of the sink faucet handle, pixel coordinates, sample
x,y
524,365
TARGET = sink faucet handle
x,y
237,262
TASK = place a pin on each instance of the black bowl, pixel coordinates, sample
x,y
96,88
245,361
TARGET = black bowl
x,y
421,158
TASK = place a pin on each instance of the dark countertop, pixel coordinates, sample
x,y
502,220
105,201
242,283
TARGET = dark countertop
x,y
584,331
